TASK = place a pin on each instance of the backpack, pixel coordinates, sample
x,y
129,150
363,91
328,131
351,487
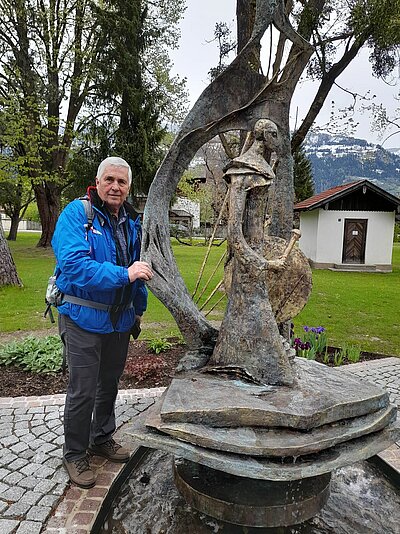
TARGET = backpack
x,y
54,297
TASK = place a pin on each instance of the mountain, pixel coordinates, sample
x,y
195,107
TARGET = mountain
x,y
337,160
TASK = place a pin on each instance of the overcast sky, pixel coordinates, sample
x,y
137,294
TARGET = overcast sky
x,y
196,55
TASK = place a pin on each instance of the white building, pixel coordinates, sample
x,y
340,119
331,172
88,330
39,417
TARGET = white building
x,y
349,227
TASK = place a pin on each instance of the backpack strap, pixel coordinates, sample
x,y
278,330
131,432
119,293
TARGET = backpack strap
x,y
89,212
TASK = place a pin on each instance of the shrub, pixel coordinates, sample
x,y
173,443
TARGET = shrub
x,y
38,355
159,345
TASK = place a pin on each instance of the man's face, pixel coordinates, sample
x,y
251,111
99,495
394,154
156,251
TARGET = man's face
x,y
113,187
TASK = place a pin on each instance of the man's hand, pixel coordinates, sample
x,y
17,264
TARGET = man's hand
x,y
140,270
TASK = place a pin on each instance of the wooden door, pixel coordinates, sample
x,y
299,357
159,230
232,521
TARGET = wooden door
x,y
355,234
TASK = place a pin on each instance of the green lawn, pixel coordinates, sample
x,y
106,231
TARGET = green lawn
x,y
22,308
358,308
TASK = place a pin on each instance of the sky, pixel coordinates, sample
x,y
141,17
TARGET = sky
x,y
197,54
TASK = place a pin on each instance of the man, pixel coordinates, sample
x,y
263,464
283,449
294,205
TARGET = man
x,y
103,281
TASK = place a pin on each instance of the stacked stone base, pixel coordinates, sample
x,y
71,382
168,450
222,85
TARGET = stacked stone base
x,y
276,444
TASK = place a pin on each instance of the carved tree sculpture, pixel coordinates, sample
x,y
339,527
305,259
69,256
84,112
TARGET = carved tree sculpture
x,y
235,100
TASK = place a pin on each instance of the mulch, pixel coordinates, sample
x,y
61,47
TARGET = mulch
x,y
143,369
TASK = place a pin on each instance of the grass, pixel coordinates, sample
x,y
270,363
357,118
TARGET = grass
x,y
355,308
22,308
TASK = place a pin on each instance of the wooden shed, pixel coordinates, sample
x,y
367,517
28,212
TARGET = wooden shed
x,y
349,227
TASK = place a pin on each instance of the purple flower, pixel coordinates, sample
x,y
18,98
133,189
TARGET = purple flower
x,y
306,328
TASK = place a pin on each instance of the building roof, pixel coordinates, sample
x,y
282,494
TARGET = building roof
x,y
180,213
318,201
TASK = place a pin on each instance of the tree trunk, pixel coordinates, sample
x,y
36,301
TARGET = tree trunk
x,y
8,270
12,234
48,202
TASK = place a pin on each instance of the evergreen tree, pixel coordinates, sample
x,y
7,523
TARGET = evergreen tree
x,y
133,99
302,174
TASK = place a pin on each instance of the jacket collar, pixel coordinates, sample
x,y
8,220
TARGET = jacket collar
x,y
99,204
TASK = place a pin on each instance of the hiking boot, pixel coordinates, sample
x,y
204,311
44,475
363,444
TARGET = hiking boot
x,y
80,473
111,450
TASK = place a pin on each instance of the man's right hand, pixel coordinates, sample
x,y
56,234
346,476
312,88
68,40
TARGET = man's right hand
x,y
140,270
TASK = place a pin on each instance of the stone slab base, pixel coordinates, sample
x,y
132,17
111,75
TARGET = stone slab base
x,y
321,395
269,468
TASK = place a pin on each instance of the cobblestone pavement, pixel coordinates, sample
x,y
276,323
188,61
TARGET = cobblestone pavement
x,y
35,495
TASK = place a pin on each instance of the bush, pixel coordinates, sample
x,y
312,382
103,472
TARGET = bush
x,y
38,355
159,345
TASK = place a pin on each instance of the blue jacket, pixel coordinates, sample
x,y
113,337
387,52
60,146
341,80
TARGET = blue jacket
x,y
87,268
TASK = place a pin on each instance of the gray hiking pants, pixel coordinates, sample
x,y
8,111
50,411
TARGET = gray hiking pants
x,y
95,363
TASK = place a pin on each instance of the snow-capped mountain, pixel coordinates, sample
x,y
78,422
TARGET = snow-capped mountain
x,y
338,159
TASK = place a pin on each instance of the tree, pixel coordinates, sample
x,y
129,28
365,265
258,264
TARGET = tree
x,y
50,59
136,88
322,35
16,191
8,270
47,67
302,175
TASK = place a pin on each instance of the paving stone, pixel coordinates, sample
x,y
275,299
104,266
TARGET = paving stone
x,y
17,510
30,469
13,478
19,447
53,423
12,494
45,486
48,500
3,488
21,431
59,440
57,453
27,454
36,409
60,476
26,438
3,473
10,440
52,415
46,447
8,458
36,443
21,424
39,513
8,525
6,411
23,417
38,420
29,482
5,432
3,506
29,527
31,497
53,462
7,419
59,488
20,411
45,472
17,464
39,430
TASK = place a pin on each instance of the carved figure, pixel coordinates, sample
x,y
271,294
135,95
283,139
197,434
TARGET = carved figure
x,y
249,338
